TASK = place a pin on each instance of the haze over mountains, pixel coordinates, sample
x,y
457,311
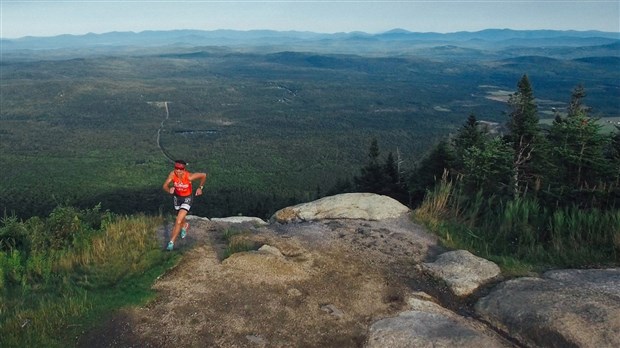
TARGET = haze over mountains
x,y
490,43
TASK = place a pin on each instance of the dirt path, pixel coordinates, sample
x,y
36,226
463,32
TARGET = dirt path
x,y
330,282
161,127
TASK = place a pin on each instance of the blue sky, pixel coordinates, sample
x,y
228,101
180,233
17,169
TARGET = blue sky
x,y
54,17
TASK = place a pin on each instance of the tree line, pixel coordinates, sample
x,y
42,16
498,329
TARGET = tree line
x,y
545,193
571,162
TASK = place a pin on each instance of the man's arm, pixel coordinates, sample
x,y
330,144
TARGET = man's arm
x,y
199,176
166,185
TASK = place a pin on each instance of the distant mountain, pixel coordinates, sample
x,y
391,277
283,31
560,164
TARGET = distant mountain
x,y
601,61
498,38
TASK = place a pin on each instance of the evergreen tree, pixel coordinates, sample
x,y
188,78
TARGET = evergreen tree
x,y
395,188
487,168
482,162
372,176
469,135
391,170
526,140
578,153
429,170
341,186
614,156
380,178
576,107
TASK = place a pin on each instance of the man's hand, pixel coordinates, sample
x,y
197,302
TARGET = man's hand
x,y
171,190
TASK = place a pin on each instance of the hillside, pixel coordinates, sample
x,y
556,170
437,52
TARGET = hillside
x,y
274,117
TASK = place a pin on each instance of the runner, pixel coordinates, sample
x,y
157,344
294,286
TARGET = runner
x,y
182,192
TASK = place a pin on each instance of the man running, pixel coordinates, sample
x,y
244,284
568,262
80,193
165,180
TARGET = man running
x,y
182,195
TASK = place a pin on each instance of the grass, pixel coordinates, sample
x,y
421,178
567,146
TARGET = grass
x,y
51,296
520,235
237,241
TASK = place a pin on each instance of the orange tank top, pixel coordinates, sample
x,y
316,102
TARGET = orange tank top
x,y
182,185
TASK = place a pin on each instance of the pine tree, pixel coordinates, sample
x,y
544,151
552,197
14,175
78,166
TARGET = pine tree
x,y
381,178
576,107
614,157
487,168
391,170
469,135
578,150
372,177
429,170
394,188
525,137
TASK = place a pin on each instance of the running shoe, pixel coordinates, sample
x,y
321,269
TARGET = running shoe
x,y
184,231
170,246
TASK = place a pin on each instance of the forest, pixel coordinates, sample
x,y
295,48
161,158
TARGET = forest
x,y
271,129
512,154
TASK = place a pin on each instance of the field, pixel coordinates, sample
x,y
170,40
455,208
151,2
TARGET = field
x,y
270,128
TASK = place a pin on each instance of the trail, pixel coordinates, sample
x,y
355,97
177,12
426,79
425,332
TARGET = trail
x,y
161,126
324,289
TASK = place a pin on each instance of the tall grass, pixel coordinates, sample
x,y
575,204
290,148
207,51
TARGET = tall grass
x,y
520,232
434,208
237,241
51,287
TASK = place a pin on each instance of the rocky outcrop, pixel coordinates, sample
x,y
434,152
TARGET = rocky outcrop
x,y
429,325
364,206
577,308
240,220
462,271
565,308
351,274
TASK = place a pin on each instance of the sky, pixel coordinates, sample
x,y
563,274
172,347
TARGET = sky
x,y
19,18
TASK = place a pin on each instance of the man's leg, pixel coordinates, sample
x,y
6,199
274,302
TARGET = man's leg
x,y
178,224
184,228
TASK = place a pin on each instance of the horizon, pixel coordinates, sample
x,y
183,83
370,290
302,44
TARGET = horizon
x,y
25,18
307,31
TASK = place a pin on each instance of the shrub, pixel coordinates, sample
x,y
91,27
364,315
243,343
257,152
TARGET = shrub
x,y
237,241
45,290
13,235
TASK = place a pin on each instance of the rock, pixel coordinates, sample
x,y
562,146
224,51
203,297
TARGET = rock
x,y
333,311
240,219
603,280
293,292
271,250
325,283
365,206
462,271
566,308
430,325
256,340
194,217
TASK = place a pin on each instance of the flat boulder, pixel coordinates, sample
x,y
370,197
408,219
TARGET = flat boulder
x,y
430,325
363,206
462,271
197,218
564,308
240,220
